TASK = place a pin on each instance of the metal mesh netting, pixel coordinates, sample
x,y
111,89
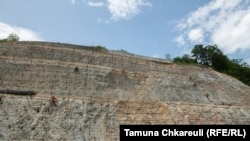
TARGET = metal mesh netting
x,y
110,89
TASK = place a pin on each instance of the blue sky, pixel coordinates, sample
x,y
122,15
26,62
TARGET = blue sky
x,y
146,27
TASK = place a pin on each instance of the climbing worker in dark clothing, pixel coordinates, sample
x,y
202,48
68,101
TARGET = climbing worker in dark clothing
x,y
1,98
194,84
76,69
54,100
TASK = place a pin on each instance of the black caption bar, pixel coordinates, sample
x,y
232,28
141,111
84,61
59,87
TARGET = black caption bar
x,y
190,132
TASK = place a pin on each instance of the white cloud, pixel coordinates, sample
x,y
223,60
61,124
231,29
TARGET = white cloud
x,y
195,35
73,1
96,4
103,21
234,33
23,33
222,22
180,40
125,9
119,9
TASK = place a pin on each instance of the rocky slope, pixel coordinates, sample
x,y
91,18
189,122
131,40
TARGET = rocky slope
x,y
110,89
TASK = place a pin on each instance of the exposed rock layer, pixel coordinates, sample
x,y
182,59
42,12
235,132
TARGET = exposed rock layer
x,y
110,89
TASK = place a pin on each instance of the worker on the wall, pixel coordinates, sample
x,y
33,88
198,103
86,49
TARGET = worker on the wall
x,y
1,98
76,69
54,100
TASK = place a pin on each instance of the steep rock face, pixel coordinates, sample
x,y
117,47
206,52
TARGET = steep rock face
x,y
110,89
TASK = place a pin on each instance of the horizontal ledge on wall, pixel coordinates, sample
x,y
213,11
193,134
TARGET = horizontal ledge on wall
x,y
18,92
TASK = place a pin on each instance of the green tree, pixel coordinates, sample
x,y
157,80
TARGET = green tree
x,y
220,62
212,51
212,56
240,70
13,37
199,54
204,55
100,48
186,59
168,56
